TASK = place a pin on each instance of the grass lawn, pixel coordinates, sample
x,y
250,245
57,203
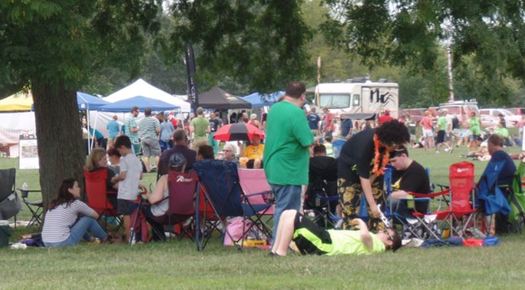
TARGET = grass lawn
x,y
176,264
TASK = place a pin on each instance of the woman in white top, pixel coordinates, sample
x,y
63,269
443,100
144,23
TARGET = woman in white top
x,y
69,220
156,213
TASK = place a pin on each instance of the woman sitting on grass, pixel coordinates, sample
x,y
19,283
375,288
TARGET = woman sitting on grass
x,y
68,220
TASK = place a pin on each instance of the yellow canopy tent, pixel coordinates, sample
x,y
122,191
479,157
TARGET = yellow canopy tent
x,y
21,101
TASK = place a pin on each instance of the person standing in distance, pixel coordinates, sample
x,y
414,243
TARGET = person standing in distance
x,y
286,150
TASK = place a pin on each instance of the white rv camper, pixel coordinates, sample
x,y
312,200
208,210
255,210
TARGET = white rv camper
x,y
358,100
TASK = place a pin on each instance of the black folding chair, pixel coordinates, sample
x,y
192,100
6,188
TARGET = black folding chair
x,y
35,207
9,202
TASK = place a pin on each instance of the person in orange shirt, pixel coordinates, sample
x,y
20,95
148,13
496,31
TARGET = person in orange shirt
x,y
252,154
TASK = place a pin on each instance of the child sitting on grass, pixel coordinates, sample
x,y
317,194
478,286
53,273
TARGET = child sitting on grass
x,y
128,181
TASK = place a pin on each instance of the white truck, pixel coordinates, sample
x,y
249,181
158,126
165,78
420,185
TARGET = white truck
x,y
358,99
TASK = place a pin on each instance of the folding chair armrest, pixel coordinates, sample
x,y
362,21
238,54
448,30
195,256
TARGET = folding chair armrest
x,y
442,187
416,199
430,195
267,195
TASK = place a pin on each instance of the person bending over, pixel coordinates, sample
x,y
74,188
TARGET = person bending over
x,y
69,220
360,167
303,236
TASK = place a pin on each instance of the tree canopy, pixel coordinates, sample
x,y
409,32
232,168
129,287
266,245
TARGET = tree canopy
x,y
486,37
257,43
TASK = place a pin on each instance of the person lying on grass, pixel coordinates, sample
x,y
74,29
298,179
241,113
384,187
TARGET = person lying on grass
x,y
69,220
304,236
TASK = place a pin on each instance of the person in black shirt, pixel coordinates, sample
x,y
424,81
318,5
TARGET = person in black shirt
x,y
408,177
322,176
215,124
360,168
181,145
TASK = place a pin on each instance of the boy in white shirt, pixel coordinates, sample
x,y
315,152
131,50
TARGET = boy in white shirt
x,y
128,179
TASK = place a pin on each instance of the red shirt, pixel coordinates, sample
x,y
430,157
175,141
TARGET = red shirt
x,y
384,118
426,122
328,122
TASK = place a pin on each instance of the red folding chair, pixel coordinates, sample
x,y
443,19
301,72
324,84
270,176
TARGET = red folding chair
x,y
97,195
461,212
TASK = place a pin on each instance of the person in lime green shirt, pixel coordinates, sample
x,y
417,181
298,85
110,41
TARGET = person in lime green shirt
x,y
303,236
442,125
286,150
200,127
475,130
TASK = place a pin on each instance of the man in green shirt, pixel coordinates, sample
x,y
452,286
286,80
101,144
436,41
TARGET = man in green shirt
x,y
131,129
302,235
286,150
199,127
442,125
475,131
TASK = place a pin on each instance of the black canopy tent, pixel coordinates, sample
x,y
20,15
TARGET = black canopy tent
x,y
217,98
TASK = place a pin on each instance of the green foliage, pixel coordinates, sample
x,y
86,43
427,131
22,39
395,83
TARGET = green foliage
x,y
486,36
257,43
64,41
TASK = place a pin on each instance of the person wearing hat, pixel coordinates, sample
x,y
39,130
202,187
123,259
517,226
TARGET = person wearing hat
x,y
159,198
304,236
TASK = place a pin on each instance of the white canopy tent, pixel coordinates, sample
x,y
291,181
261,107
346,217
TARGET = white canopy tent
x,y
142,88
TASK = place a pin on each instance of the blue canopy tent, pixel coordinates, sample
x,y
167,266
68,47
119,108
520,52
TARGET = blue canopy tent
x,y
260,100
139,101
89,102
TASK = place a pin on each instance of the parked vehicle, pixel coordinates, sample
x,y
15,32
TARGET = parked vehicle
x,y
461,109
358,99
517,111
415,114
511,120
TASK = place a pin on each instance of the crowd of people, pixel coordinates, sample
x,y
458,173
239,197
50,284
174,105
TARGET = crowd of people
x,y
299,156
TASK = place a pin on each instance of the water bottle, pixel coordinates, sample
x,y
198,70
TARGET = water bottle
x,y
25,186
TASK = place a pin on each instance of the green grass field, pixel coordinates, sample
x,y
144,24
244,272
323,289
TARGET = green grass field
x,y
176,264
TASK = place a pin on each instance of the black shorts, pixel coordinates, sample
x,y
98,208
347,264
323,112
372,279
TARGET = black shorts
x,y
126,207
310,238
440,136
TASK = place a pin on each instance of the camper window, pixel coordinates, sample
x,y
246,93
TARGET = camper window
x,y
356,101
335,100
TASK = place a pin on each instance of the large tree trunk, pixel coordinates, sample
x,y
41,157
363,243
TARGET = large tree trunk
x,y
58,130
